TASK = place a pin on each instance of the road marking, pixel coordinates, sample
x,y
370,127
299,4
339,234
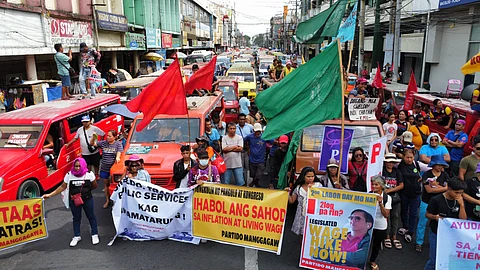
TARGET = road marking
x,y
251,259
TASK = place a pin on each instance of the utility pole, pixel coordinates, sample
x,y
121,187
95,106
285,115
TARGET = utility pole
x,y
361,36
396,43
377,54
425,46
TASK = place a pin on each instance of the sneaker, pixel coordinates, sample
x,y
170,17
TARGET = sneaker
x,y
92,97
75,241
95,239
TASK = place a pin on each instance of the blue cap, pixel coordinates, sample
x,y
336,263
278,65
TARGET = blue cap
x,y
85,118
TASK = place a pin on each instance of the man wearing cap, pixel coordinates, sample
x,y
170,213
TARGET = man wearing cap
x,y
468,165
402,143
232,146
85,134
89,58
277,160
433,148
472,196
256,148
361,90
455,140
287,69
434,183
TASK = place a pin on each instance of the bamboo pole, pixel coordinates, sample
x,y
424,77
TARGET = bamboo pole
x,y
342,136
350,45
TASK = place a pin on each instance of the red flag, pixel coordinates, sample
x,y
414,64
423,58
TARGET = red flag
x,y
378,81
411,90
165,95
201,79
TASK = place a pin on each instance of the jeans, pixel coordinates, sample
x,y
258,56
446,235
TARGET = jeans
x,y
410,212
245,165
77,216
377,238
256,172
433,252
84,75
454,168
393,219
422,223
238,173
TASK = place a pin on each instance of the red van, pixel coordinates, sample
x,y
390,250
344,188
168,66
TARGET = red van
x,y
229,87
23,170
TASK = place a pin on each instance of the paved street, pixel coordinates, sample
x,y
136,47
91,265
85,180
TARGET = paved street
x,y
54,252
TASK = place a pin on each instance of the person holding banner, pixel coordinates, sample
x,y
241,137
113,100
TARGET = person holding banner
x,y
134,169
79,183
450,204
299,192
357,170
384,205
360,91
333,178
182,167
204,171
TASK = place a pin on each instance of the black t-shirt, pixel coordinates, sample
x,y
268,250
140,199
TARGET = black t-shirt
x,y
426,178
392,179
439,205
473,189
401,127
84,186
411,176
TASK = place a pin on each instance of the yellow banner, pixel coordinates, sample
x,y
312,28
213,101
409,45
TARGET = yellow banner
x,y
248,217
472,66
342,195
21,222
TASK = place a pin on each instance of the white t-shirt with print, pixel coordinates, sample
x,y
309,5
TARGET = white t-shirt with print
x,y
380,220
390,130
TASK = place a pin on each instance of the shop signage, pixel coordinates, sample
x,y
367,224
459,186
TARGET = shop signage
x,y
154,37
135,41
453,3
112,22
176,43
184,38
167,40
70,33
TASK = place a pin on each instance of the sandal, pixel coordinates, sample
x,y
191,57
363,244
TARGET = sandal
x,y
374,266
387,243
397,244
418,248
107,204
408,238
402,231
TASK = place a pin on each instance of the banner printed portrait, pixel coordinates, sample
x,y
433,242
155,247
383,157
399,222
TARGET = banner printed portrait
x,y
459,244
331,147
144,211
21,222
241,216
338,229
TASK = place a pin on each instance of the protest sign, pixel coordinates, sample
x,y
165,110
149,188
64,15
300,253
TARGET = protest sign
x,y
376,154
334,219
331,147
144,211
362,109
21,222
242,216
459,246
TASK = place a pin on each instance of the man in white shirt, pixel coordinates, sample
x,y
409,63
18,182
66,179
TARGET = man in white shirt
x,y
232,145
244,129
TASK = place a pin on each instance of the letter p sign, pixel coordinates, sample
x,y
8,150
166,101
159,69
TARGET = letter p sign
x,y
376,149
335,153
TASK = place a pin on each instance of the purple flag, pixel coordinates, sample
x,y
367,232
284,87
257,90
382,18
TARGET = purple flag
x,y
331,147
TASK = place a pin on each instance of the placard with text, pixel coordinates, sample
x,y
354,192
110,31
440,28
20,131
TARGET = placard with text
x,y
362,108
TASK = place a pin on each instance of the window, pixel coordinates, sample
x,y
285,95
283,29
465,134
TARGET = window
x,y
19,136
167,130
228,92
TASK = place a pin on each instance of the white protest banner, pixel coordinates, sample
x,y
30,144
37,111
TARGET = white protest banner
x,y
362,109
376,154
459,246
144,211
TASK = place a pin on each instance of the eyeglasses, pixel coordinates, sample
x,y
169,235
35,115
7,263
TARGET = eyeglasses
x,y
477,148
134,165
434,140
356,218
420,121
359,155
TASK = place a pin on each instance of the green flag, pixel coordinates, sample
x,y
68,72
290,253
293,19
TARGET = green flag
x,y
324,24
291,152
309,95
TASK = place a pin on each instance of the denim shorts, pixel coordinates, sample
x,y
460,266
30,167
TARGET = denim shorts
x,y
104,175
65,80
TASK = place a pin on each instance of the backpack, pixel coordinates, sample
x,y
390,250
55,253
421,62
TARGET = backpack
x,y
360,184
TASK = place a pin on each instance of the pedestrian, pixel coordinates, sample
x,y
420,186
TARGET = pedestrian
x,y
79,182
472,196
244,129
455,140
134,169
402,122
232,147
89,59
433,148
441,116
384,205
412,189
360,91
333,178
447,205
256,148
277,160
411,121
434,182
393,187
420,132
244,103
219,125
287,69
357,170
182,167
203,171
390,129
212,135
306,180
111,152
63,69
468,165
89,152
402,143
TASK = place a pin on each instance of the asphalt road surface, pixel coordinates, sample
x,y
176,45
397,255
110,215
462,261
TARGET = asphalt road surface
x,y
55,253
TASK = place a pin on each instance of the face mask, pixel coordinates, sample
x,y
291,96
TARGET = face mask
x,y
203,162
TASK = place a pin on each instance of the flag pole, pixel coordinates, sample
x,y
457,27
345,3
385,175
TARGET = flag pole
x,y
342,135
350,57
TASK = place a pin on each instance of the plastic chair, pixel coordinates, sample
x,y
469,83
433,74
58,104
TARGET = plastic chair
x,y
454,87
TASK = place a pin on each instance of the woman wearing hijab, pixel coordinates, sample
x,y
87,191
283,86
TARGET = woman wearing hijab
x,y
79,181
